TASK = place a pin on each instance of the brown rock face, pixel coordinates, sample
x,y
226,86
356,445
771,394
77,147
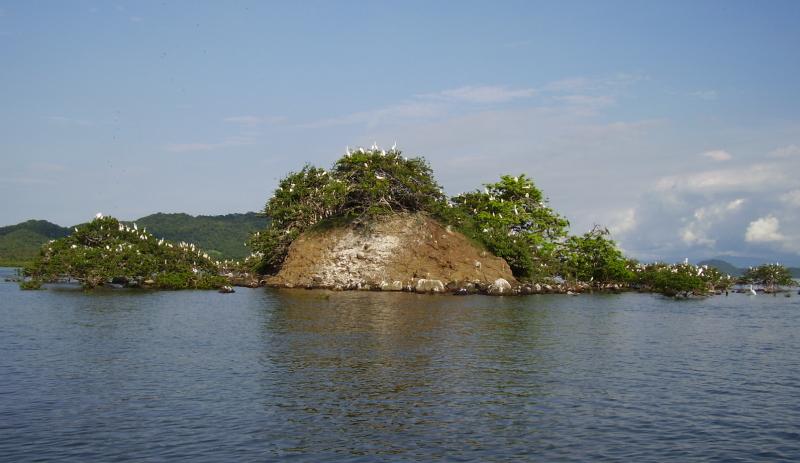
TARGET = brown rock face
x,y
391,252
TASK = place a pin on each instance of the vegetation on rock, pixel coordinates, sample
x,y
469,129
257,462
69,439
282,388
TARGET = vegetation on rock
x,y
362,184
221,236
510,218
105,251
680,279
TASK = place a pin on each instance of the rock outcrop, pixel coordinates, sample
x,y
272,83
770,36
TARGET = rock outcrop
x,y
402,252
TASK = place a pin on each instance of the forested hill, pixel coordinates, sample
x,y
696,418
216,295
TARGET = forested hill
x,y
730,269
222,236
723,266
20,243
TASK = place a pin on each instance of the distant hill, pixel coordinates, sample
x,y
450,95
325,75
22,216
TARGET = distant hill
x,y
21,242
730,269
222,236
722,266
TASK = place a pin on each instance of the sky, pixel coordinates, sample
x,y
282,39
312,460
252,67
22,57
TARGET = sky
x,y
675,124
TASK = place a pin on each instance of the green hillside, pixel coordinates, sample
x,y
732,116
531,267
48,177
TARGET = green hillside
x,y
730,269
20,243
724,267
222,236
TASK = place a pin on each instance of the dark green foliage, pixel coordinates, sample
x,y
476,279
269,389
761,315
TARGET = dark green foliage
x,y
511,218
679,279
362,184
104,250
188,280
770,276
223,236
377,182
30,284
594,257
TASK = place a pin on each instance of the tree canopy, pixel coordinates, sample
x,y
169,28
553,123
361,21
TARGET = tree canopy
x,y
105,250
510,218
770,276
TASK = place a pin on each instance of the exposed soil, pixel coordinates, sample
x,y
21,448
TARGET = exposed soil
x,y
390,253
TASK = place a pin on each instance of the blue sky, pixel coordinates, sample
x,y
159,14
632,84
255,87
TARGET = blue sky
x,y
676,124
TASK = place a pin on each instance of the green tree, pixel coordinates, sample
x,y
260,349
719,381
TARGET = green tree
x,y
512,219
670,280
770,276
105,250
594,257
361,184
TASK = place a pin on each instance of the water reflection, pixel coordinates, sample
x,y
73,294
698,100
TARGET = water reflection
x,y
266,375
390,371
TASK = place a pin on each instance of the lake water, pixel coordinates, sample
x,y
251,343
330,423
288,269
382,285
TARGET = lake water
x,y
264,375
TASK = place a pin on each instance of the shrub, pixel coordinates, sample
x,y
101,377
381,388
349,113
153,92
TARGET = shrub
x,y
104,249
511,218
361,184
592,257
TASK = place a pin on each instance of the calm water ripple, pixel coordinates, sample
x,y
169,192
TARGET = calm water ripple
x,y
263,375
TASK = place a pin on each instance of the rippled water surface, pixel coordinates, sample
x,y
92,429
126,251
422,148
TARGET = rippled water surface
x,y
264,375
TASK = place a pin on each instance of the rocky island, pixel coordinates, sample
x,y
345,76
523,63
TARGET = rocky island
x,y
378,220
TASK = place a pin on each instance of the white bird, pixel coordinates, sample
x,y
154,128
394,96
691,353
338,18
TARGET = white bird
x,y
347,151
394,146
374,146
752,291
685,261
76,229
99,215
379,177
135,227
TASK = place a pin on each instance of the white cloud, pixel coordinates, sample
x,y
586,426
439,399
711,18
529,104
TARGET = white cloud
x,y
408,111
587,84
791,197
254,121
785,151
623,222
47,167
697,230
705,94
592,101
195,147
756,177
63,120
718,155
764,230
484,94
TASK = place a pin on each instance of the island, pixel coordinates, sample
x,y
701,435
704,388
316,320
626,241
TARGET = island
x,y
378,220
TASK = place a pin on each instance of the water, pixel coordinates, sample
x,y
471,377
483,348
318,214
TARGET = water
x,y
264,375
